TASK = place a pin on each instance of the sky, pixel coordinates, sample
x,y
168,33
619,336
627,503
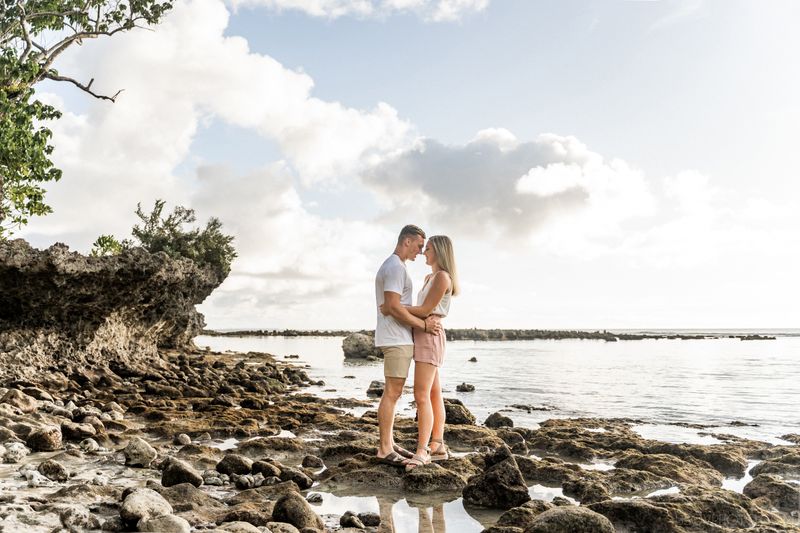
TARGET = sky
x,y
628,164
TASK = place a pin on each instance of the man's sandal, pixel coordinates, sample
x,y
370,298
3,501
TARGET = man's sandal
x,y
441,453
393,459
402,451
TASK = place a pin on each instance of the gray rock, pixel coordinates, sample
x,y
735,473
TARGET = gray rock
x,y
375,388
237,527
500,486
183,439
78,518
370,519
73,431
784,496
569,520
349,519
138,452
496,420
53,470
292,508
465,387
298,476
281,527
359,346
46,439
314,497
234,463
15,452
143,503
177,471
457,413
312,461
20,400
164,524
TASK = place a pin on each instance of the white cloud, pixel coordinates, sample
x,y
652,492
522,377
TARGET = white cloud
x,y
496,184
430,10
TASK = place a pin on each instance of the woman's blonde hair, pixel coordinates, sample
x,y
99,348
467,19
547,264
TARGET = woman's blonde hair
x,y
443,248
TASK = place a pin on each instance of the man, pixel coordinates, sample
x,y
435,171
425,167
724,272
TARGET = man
x,y
393,335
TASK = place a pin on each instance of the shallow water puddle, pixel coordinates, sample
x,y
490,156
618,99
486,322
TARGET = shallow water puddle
x,y
738,484
404,516
664,492
542,492
673,434
597,465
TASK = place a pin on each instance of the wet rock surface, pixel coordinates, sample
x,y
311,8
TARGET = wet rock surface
x,y
281,443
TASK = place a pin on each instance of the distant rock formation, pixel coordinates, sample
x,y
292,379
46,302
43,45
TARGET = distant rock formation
x,y
360,346
60,310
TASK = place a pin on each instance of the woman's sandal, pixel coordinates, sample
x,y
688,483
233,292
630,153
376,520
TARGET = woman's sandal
x,y
417,460
441,453
402,451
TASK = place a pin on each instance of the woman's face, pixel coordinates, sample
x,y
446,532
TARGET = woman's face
x,y
430,255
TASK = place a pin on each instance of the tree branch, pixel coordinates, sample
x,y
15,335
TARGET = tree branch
x,y
85,88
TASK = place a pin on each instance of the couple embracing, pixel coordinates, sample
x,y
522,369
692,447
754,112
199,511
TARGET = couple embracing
x,y
405,332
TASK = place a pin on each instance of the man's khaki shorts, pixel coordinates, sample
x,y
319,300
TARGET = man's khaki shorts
x,y
397,360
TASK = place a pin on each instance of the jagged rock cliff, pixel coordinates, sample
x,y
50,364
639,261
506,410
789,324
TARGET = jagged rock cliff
x,y
60,310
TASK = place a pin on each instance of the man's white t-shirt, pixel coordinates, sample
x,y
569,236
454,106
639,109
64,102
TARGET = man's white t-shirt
x,y
393,277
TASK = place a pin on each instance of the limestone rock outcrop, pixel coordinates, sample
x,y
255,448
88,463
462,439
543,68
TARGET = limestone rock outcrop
x,y
67,311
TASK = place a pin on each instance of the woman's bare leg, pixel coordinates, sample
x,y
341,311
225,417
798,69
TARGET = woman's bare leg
x,y
437,405
424,375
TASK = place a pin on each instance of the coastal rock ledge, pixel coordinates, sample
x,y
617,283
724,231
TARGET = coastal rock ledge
x,y
60,309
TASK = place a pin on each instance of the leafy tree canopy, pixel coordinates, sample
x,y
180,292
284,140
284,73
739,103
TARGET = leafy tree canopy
x,y
158,233
33,34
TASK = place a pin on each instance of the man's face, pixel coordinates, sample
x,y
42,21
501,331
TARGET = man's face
x,y
417,244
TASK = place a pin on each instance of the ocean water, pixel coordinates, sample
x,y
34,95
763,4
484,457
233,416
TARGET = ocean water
x,y
710,382
665,384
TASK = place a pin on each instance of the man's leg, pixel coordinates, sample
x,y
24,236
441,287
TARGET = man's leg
x,y
392,391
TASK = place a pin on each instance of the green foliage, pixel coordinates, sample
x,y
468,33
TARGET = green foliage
x,y
158,233
109,245
33,34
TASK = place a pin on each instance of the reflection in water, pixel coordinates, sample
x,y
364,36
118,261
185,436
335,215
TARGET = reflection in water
x,y
414,514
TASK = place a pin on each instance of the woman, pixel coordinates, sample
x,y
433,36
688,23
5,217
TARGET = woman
x,y
429,351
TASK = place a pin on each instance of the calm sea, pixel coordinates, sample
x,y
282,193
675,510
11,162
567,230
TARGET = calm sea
x,y
661,382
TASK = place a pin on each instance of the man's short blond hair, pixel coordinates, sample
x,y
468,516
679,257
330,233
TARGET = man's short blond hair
x,y
410,231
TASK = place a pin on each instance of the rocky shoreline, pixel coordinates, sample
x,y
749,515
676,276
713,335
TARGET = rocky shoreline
x,y
210,441
475,334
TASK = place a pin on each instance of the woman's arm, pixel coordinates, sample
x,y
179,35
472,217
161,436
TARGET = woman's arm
x,y
440,284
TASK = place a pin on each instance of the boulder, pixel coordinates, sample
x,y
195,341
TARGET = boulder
x,y
465,387
236,527
46,439
500,486
143,503
53,470
497,420
177,471
138,452
233,463
784,496
20,400
164,524
432,478
350,519
524,515
289,473
360,346
457,413
61,309
570,519
375,388
294,509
